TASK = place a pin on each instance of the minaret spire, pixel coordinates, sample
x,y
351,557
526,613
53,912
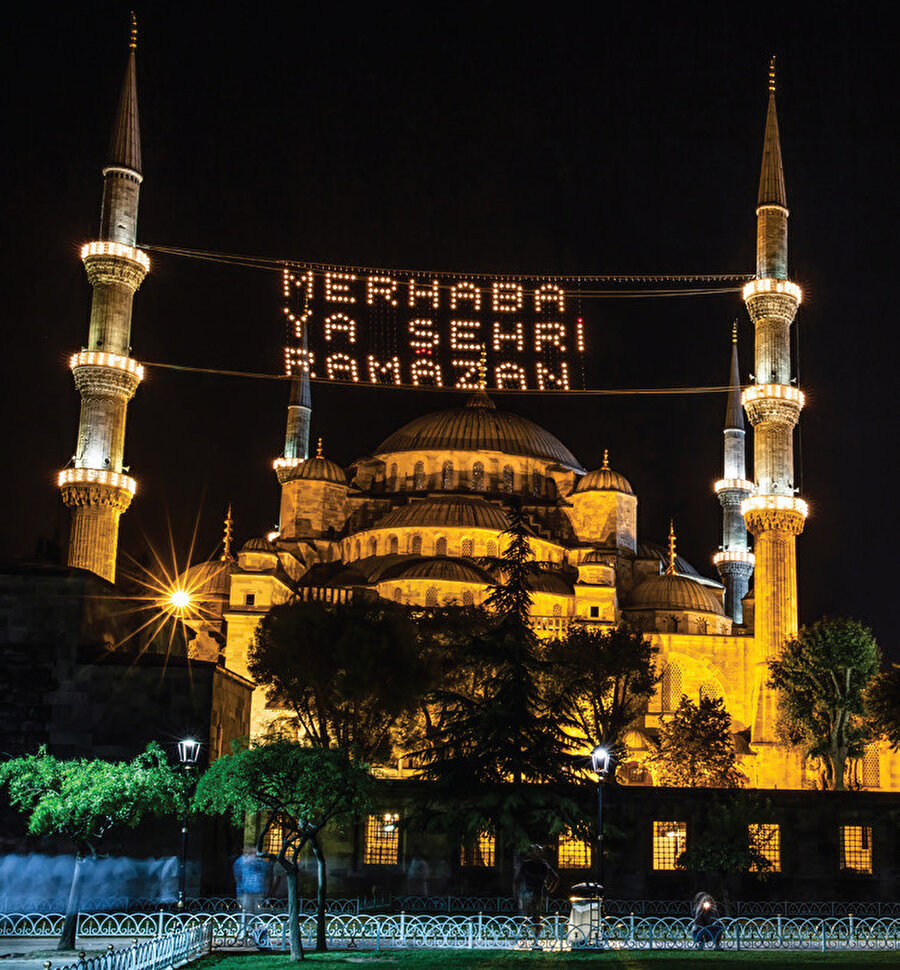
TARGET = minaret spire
x,y
96,487
773,512
227,536
296,435
670,569
734,561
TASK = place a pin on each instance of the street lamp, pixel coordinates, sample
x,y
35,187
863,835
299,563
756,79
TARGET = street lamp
x,y
188,755
600,760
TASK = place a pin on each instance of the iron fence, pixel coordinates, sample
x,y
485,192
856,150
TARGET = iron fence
x,y
163,953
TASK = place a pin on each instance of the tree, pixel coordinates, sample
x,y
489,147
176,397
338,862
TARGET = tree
x,y
695,748
883,705
731,841
500,761
82,800
601,680
301,788
822,676
345,672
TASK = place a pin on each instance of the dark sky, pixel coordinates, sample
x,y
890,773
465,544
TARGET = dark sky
x,y
460,137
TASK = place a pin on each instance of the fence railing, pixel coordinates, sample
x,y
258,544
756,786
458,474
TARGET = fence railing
x,y
475,931
166,952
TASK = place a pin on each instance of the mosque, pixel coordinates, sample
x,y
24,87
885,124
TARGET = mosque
x,y
410,521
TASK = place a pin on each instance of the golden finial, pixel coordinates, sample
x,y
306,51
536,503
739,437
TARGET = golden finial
x,y
772,74
734,332
482,369
319,449
606,458
226,540
670,570
132,41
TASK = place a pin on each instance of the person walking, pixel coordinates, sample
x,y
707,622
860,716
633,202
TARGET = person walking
x,y
532,879
707,926
251,874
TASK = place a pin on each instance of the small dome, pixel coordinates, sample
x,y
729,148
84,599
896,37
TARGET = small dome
x,y
318,470
604,479
672,591
452,512
550,583
479,426
444,568
259,544
208,580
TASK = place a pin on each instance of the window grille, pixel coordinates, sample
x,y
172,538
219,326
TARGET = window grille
x,y
468,598
536,483
447,475
709,691
382,840
393,545
373,546
431,596
478,476
508,478
419,476
478,853
274,838
671,687
573,852
416,545
871,769
440,547
398,595
491,549
765,837
669,841
856,847
468,547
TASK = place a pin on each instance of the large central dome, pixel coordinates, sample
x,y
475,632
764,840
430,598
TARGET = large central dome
x,y
479,426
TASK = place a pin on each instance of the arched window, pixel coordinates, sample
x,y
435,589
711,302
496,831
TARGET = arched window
x,y
373,546
468,547
468,598
440,547
447,475
431,596
709,691
419,476
671,687
415,546
557,609
871,769
357,550
536,483
392,478
398,595
478,477
393,545
509,478
491,550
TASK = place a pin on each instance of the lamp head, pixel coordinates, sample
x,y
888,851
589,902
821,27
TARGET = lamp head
x,y
188,752
600,759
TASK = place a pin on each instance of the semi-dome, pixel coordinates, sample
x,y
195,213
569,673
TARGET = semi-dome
x,y
604,479
318,470
672,591
258,544
479,426
596,557
451,512
443,568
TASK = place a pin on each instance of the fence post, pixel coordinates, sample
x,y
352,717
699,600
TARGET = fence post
x,y
737,935
780,936
631,929
651,935
377,933
159,928
824,938
471,940
850,918
402,928
479,926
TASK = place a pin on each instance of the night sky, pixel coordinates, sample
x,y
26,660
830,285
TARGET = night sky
x,y
459,137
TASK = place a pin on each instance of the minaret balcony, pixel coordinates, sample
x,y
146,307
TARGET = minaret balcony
x,y
111,263
109,248
733,485
100,358
774,513
758,286
96,476
775,403
284,466
734,555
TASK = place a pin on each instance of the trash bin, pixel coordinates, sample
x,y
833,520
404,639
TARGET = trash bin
x,y
585,917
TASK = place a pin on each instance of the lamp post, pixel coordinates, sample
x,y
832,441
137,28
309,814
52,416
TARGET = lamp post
x,y
600,759
188,755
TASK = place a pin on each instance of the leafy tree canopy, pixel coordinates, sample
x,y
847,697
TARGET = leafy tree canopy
x,y
600,681
822,676
695,748
883,705
346,672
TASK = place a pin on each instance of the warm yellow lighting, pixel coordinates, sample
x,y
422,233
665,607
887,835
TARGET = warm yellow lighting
x,y
735,555
101,358
280,463
92,476
779,503
773,286
735,484
784,392
179,599
107,248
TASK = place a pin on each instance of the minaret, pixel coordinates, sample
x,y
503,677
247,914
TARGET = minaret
x,y
773,512
296,437
95,485
735,561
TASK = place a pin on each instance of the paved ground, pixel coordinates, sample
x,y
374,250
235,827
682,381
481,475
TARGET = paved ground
x,y
30,954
